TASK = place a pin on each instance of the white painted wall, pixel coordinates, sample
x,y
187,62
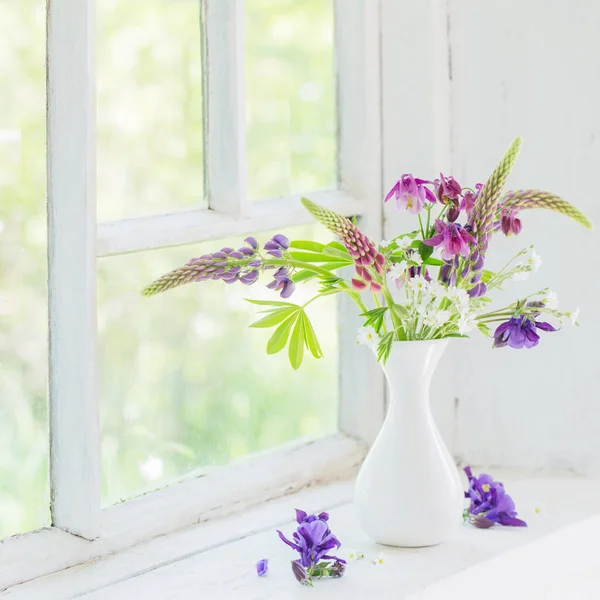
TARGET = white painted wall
x,y
518,67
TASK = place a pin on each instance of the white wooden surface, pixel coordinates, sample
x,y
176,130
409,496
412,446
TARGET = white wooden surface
x,y
185,567
357,39
187,227
252,481
529,68
74,437
224,105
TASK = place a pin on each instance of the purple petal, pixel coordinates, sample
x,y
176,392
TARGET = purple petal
x,y
262,566
290,544
282,240
288,289
544,326
300,516
252,242
507,520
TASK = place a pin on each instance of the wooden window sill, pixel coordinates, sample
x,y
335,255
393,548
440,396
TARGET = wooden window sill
x,y
553,556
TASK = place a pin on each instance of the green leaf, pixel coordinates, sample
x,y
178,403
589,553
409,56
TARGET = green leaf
x,y
296,346
307,245
312,343
484,329
425,251
445,303
316,257
280,336
374,317
434,262
487,275
303,275
337,246
343,255
275,317
270,303
385,347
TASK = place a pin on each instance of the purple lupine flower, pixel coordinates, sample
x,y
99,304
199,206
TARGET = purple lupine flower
x,y
410,193
509,222
479,289
262,566
251,241
313,540
520,332
490,503
277,245
453,238
282,282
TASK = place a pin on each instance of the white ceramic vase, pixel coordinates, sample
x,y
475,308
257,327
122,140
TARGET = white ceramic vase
x,y
408,491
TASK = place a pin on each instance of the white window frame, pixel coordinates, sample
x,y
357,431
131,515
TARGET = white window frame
x,y
81,529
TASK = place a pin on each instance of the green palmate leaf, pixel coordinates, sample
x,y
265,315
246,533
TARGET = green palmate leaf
x,y
374,317
296,346
270,303
319,257
303,275
275,317
307,245
385,347
341,254
310,338
337,246
280,337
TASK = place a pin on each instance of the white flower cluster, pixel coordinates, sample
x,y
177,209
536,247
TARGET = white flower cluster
x,y
431,309
439,306
523,269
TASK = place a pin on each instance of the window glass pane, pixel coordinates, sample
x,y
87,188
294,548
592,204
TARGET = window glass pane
x,y
290,96
186,386
149,96
24,497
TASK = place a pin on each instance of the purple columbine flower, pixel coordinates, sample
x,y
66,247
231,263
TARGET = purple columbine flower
x,y
520,332
262,566
410,193
313,540
300,573
469,198
277,245
447,188
509,222
453,238
490,503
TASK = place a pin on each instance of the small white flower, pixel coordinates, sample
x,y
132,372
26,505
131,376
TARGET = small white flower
x,y
356,555
442,317
551,300
367,337
574,316
415,258
404,242
379,560
384,244
465,324
534,260
419,283
397,270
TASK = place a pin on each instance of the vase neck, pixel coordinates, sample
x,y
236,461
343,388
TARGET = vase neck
x,y
410,367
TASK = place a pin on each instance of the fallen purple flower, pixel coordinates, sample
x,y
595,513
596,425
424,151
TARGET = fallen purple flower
x,y
262,566
490,503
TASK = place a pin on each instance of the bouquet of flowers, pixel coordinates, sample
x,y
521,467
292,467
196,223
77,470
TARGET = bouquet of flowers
x,y
424,284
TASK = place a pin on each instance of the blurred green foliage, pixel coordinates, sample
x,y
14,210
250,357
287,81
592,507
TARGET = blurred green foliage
x,y
185,386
